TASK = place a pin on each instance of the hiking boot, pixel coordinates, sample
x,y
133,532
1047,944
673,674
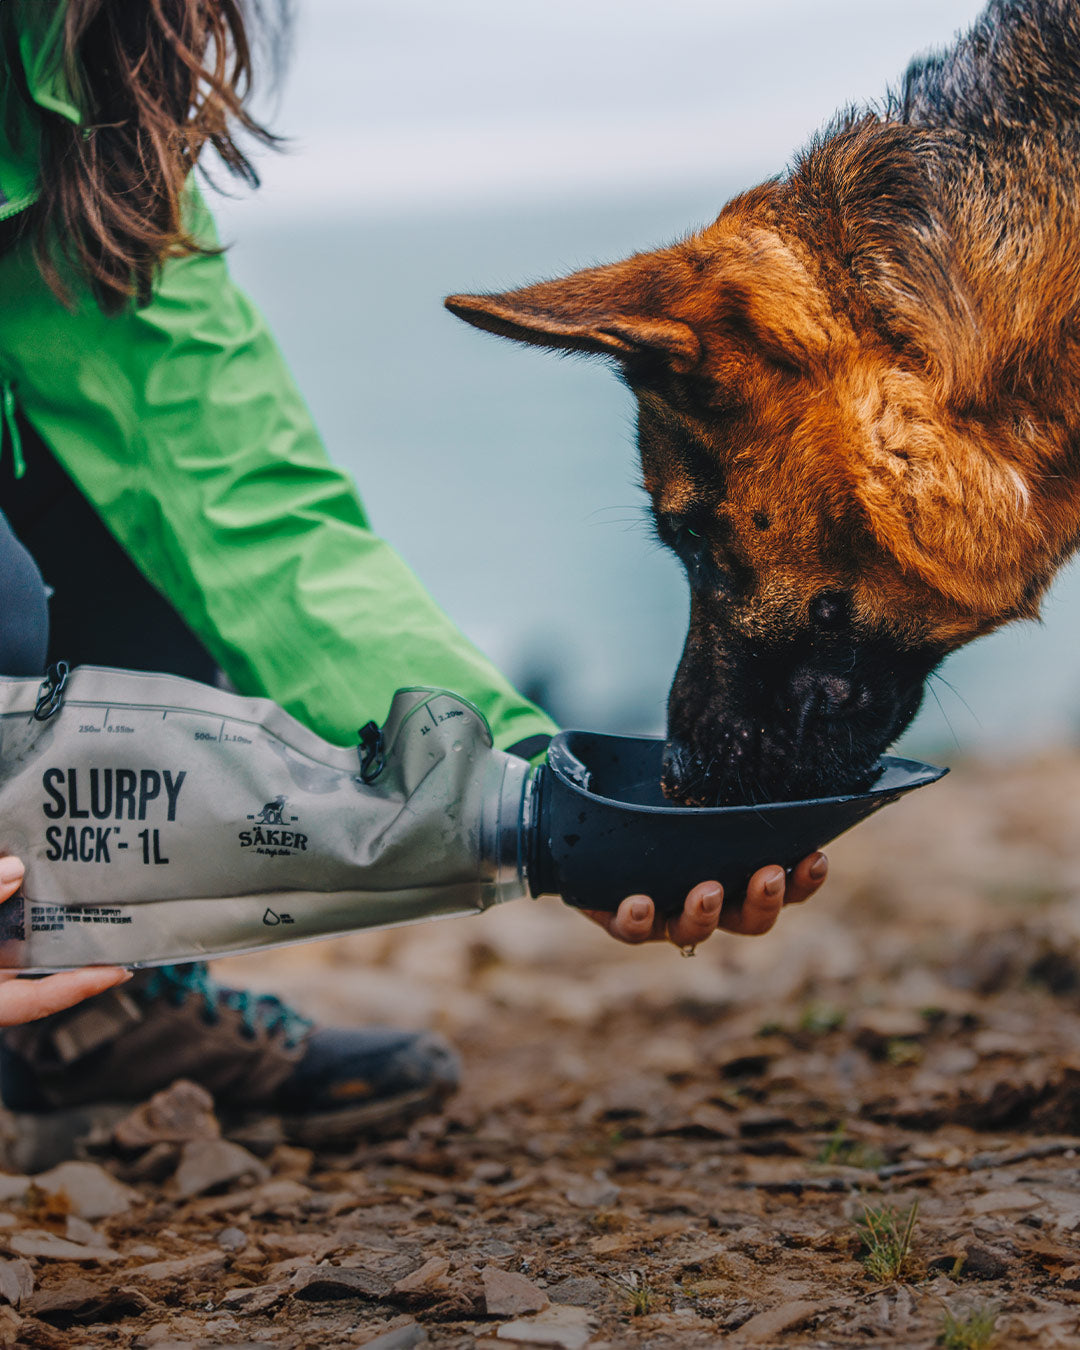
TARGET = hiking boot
x,y
69,1078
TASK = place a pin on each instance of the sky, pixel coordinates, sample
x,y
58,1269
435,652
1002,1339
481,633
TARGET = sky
x,y
391,105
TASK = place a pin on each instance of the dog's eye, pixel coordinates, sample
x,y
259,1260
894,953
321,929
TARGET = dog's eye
x,y
680,532
689,540
695,544
683,535
704,547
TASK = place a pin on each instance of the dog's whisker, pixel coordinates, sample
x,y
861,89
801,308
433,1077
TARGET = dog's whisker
x,y
636,509
934,675
948,723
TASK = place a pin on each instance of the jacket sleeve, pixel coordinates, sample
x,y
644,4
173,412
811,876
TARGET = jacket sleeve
x,y
182,426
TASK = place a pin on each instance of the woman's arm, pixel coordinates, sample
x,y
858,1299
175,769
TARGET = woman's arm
x,y
181,424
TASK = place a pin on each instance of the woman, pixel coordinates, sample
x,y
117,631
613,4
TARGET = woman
x,y
162,470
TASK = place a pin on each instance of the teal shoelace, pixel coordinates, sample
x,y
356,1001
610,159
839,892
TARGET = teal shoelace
x,y
260,1012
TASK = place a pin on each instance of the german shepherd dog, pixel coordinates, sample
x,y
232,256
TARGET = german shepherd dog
x,y
858,406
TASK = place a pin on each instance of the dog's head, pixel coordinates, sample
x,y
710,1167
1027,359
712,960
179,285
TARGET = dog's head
x,y
820,453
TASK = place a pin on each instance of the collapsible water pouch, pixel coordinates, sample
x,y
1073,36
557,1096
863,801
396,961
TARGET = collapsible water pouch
x,y
163,820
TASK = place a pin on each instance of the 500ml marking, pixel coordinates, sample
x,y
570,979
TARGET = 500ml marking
x,y
234,737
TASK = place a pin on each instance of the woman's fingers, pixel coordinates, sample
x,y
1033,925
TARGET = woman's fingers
x,y
634,921
12,872
699,917
769,891
761,907
806,878
706,909
27,1000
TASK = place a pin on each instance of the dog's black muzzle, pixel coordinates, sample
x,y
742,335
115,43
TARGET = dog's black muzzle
x,y
786,721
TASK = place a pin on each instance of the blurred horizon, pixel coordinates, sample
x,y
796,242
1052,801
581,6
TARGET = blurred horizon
x,y
437,150
395,104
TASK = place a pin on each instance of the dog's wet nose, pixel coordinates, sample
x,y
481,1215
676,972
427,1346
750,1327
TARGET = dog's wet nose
x,y
821,692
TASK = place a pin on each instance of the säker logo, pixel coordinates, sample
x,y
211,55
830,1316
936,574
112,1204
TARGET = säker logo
x,y
270,833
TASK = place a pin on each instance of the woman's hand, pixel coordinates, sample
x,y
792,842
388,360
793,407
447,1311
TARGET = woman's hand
x,y
705,910
26,1000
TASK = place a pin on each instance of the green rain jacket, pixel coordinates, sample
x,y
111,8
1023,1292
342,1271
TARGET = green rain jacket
x,y
181,424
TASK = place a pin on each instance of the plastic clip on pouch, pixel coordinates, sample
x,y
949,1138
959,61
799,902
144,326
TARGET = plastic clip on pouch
x,y
163,820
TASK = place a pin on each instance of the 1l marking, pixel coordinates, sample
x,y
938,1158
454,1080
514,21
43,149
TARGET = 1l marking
x,y
151,838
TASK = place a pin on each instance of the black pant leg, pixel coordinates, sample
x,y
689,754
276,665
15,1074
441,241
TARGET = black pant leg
x,y
24,611
103,610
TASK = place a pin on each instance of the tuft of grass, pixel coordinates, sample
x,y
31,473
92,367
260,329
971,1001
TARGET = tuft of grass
x,y
834,1148
839,1149
639,1300
901,1053
974,1331
821,1018
638,1293
886,1235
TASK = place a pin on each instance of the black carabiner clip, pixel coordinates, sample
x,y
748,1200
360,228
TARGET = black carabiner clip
x,y
372,758
51,693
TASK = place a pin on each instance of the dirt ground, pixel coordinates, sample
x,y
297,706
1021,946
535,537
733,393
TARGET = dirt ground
x,y
650,1151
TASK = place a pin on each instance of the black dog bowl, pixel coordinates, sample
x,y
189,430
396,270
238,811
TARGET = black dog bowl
x,y
602,828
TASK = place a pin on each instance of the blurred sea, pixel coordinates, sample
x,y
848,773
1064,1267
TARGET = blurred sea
x,y
507,476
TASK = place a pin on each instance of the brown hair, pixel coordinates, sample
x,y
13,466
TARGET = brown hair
x,y
158,81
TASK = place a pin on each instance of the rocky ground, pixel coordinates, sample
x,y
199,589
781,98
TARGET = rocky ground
x,y
860,1130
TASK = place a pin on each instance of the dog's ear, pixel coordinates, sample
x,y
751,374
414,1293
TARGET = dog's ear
x,y
616,311
726,290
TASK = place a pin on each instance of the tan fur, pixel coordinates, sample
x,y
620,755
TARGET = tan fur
x,y
939,494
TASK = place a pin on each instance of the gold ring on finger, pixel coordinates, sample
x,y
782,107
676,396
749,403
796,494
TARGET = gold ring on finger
x,y
689,950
